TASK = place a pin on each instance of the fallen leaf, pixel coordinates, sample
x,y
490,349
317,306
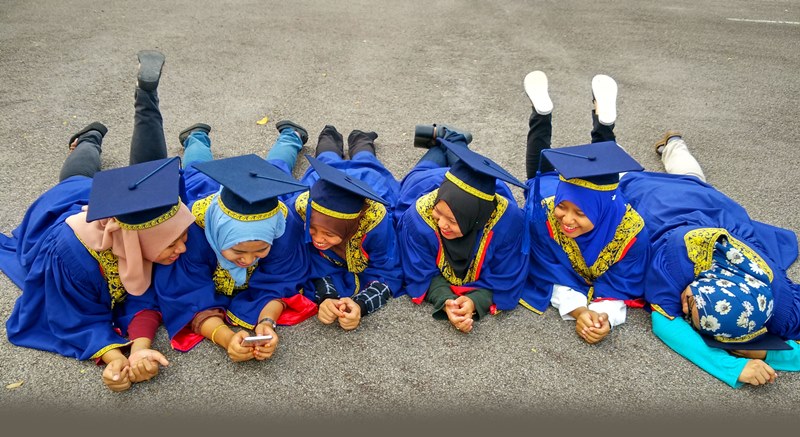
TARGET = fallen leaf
x,y
263,121
15,385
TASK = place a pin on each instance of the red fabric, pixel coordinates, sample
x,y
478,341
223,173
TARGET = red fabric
x,y
144,325
549,229
633,303
482,255
461,290
419,300
625,251
297,309
186,339
493,309
364,252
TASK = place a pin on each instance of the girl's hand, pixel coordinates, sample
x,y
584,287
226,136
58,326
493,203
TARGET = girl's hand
x,y
351,316
144,364
236,351
116,375
265,351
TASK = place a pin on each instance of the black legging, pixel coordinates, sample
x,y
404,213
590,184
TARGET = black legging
x,y
147,142
540,132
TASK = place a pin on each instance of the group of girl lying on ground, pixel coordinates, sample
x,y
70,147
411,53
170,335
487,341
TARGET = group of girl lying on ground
x,y
229,249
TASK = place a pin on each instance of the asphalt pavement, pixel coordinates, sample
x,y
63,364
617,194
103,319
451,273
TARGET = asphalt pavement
x,y
722,72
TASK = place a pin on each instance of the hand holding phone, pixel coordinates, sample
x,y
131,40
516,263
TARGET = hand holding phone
x,y
256,340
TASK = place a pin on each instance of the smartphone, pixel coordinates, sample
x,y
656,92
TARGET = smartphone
x,y
256,340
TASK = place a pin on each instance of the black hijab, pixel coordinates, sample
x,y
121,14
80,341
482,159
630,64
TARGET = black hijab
x,y
471,214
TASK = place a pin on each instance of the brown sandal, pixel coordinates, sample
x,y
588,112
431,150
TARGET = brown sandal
x,y
662,142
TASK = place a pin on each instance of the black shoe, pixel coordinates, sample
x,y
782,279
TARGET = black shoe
x,y
297,128
150,64
467,135
99,127
188,131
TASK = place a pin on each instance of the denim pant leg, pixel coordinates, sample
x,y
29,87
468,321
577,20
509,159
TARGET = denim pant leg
x,y
437,155
85,159
148,142
601,132
197,148
286,147
456,138
540,133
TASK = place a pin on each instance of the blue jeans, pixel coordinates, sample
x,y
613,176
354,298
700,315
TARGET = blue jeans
x,y
440,154
286,147
197,148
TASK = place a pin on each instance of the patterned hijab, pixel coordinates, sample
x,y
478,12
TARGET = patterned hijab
x,y
603,205
223,232
733,297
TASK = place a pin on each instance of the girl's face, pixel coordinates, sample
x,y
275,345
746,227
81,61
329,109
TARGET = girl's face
x,y
247,253
446,221
323,238
173,251
573,221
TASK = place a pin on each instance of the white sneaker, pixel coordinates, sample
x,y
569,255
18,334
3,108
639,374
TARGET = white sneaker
x,y
604,93
535,84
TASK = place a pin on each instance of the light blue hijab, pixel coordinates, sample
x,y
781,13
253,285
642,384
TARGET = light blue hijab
x,y
223,232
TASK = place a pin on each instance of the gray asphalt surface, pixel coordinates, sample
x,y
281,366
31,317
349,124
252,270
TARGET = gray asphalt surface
x,y
729,84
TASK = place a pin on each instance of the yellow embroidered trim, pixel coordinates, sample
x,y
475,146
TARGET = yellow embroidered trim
x,y
199,209
627,230
251,217
586,184
239,321
425,206
300,204
700,249
224,283
468,188
152,223
742,339
658,309
109,267
528,306
102,351
331,213
355,259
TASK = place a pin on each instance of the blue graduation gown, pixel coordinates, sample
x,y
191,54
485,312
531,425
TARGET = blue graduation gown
x,y
617,274
685,216
67,306
196,282
372,254
498,263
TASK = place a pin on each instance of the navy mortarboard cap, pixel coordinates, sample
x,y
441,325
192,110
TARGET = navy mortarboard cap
x,y
250,185
476,173
597,163
338,194
765,341
139,196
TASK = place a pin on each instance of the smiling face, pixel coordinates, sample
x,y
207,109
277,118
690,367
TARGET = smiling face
x,y
446,221
573,221
246,253
323,238
173,251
